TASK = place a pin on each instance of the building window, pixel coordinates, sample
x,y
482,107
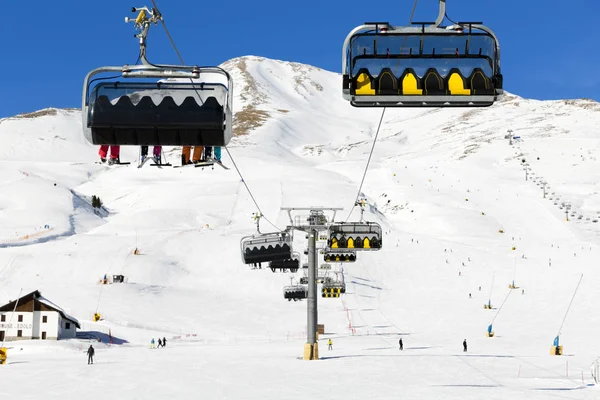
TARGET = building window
x,y
68,325
2,318
44,319
20,318
19,333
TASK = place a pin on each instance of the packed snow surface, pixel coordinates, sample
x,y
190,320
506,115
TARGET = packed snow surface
x,y
449,188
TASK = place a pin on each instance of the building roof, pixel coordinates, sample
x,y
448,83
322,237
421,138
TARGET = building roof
x,y
37,296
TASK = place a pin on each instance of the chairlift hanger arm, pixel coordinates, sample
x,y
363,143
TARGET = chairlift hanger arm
x,y
441,14
143,21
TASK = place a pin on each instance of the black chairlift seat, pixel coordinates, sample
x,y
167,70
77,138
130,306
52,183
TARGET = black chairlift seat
x,y
295,292
267,247
355,236
339,256
292,265
172,112
421,66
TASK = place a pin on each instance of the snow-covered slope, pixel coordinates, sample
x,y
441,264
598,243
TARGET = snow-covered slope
x,y
444,184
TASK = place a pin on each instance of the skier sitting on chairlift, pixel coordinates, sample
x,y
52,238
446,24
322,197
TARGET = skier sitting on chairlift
x,y
114,154
156,153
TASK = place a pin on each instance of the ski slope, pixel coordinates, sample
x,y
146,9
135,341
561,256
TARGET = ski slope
x,y
442,183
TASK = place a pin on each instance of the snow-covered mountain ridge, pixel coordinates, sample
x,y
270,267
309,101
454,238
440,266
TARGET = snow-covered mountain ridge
x,y
447,186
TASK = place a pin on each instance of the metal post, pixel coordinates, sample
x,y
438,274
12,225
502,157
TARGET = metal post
x,y
544,187
312,289
317,221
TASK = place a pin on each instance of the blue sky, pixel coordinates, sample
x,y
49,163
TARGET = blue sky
x,y
549,47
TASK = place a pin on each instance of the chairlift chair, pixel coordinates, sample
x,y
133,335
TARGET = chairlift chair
x,y
291,264
335,284
424,65
331,255
266,247
155,104
355,236
333,289
295,292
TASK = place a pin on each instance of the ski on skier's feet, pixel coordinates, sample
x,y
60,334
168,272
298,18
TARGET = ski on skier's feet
x,y
110,165
205,164
196,165
218,162
161,165
141,164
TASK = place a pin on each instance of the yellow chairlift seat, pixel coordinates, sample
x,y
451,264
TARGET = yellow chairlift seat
x,y
367,243
363,85
456,85
409,85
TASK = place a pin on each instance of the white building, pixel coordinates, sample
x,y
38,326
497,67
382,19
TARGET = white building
x,y
35,317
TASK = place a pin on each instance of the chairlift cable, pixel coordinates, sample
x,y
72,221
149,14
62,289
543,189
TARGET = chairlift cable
x,y
168,34
226,149
412,14
367,166
174,47
248,189
448,18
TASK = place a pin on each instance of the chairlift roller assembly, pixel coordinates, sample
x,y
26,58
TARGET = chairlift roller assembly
x,y
424,65
154,104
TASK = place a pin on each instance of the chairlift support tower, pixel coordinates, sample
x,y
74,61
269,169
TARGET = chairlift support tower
x,y
315,222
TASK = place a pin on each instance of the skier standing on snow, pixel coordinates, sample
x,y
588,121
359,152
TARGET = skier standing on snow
x,y
159,343
90,353
465,345
152,343
330,344
114,154
164,342
401,344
